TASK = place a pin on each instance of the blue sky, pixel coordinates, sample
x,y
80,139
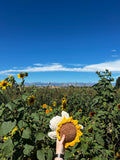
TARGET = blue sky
x,y
59,41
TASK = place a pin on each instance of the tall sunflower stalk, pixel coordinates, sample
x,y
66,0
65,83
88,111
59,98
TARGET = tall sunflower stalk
x,y
22,76
64,104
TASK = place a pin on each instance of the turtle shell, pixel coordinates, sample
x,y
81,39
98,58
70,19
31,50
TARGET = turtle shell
x,y
69,130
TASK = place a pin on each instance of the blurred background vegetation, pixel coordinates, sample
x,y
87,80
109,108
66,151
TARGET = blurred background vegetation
x,y
25,113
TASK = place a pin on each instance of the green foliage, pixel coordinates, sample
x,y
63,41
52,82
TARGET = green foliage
x,y
6,127
24,127
104,88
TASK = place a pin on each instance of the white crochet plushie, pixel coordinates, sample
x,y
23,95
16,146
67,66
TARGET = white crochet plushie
x,y
54,124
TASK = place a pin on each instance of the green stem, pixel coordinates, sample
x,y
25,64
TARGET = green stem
x,y
114,151
113,146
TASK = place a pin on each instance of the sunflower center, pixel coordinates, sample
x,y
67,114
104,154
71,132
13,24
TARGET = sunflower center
x,y
21,75
92,114
69,130
31,100
4,84
118,106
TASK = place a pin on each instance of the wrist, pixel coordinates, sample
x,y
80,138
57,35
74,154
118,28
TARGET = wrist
x,y
58,152
59,157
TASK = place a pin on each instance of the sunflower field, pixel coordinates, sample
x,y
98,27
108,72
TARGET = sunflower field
x,y
25,113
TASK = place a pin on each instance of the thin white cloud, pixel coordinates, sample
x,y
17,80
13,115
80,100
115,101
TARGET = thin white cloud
x,y
7,73
77,65
114,50
37,64
15,67
115,55
113,66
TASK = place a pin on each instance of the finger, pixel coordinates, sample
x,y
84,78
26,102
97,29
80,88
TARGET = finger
x,y
63,139
57,140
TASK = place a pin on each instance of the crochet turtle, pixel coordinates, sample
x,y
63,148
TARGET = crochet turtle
x,y
62,125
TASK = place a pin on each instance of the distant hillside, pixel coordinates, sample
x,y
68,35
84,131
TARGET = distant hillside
x,y
41,84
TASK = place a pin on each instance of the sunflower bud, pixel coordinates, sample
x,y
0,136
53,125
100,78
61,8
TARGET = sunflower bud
x,y
90,130
118,154
26,74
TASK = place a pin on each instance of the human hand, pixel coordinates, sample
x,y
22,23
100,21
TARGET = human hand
x,y
60,145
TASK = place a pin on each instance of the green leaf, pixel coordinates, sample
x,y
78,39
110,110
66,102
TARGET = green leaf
x,y
6,127
22,124
24,97
68,154
11,106
99,139
20,109
7,147
110,146
27,149
35,117
2,105
1,91
109,152
50,154
84,147
97,158
1,111
40,136
82,140
26,133
40,155
17,101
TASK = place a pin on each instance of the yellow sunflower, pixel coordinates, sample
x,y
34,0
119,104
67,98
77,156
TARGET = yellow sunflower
x,y
5,138
54,103
118,106
31,100
70,129
91,114
10,84
63,99
64,104
4,84
50,109
118,154
21,75
80,110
